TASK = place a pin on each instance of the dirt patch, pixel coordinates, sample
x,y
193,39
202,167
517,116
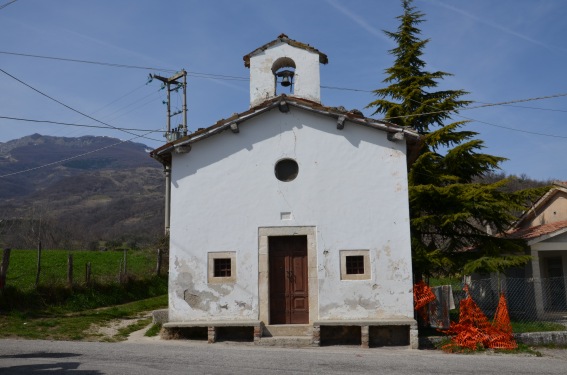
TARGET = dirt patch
x,y
111,330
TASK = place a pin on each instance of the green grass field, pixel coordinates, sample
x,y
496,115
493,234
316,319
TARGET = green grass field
x,y
106,286
53,325
105,266
56,310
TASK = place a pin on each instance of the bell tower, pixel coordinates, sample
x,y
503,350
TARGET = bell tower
x,y
284,66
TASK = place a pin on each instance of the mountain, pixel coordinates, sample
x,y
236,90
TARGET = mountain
x,y
79,192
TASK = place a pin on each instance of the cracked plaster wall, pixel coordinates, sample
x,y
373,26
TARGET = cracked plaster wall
x,y
351,186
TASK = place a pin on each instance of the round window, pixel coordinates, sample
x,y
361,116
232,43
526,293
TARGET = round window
x,y
286,170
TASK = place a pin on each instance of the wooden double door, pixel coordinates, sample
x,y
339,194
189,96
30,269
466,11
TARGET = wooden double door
x,y
289,293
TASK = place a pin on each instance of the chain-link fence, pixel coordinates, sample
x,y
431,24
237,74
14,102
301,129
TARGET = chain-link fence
x,y
530,300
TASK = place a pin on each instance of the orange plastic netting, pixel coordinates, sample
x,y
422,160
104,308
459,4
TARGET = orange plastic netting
x,y
422,296
474,331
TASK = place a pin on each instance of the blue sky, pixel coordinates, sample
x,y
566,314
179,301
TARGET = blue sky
x,y
499,51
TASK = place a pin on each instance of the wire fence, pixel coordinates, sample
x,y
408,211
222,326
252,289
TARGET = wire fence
x,y
529,300
30,269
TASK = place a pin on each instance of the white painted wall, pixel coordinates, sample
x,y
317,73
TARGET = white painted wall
x,y
306,79
351,185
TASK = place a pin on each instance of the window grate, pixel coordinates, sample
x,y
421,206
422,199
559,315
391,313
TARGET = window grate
x,y
223,267
354,264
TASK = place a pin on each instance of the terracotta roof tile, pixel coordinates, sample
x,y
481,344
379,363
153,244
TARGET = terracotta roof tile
x,y
282,38
537,231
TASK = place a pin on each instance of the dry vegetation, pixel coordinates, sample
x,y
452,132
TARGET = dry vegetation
x,y
111,197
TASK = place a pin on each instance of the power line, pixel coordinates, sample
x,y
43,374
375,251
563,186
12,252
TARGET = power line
x,y
526,107
491,124
240,78
115,65
217,76
8,3
71,157
229,77
484,105
518,101
72,124
131,104
119,98
344,89
512,129
69,107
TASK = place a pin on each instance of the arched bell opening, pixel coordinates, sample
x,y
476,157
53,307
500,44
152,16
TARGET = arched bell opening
x,y
284,74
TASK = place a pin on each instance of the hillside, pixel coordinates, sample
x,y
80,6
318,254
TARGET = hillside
x,y
112,193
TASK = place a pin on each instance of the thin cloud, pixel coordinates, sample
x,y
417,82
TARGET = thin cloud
x,y
359,21
106,44
499,27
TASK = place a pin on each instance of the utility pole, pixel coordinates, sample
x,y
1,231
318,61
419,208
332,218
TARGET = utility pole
x,y
180,131
173,84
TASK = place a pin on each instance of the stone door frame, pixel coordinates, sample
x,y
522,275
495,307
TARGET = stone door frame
x,y
264,266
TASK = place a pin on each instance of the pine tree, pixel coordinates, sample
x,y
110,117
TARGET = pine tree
x,y
449,211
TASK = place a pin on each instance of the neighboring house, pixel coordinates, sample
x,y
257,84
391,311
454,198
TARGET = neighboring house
x,y
292,214
544,229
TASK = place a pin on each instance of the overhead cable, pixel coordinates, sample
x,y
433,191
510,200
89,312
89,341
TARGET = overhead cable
x,y
491,124
69,107
71,157
73,124
8,3
89,62
115,65
484,105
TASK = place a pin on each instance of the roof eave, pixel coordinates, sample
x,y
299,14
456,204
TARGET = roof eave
x,y
546,236
555,188
282,38
409,135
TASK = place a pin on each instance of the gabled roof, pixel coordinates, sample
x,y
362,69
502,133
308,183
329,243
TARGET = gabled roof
x,y
396,132
282,38
557,187
539,232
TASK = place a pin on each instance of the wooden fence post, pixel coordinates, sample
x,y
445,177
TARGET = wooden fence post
x,y
4,267
38,272
70,270
88,273
158,266
125,273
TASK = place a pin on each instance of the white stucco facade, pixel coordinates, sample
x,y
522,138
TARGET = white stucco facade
x,y
351,190
328,246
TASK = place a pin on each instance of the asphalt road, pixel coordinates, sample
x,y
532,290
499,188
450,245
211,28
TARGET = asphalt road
x,y
187,357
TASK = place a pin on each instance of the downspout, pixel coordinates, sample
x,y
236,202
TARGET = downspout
x,y
167,171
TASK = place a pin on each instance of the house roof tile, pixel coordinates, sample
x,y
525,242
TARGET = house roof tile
x,y
340,113
282,38
531,233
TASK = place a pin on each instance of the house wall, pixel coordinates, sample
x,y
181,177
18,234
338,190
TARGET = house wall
x,y
553,211
555,247
351,188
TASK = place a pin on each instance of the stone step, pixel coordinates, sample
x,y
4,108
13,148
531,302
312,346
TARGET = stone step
x,y
285,341
275,330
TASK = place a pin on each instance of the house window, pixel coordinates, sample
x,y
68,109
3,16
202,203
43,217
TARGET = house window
x,y
221,267
355,264
286,170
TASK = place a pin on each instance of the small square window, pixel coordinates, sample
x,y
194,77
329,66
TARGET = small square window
x,y
355,265
222,267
